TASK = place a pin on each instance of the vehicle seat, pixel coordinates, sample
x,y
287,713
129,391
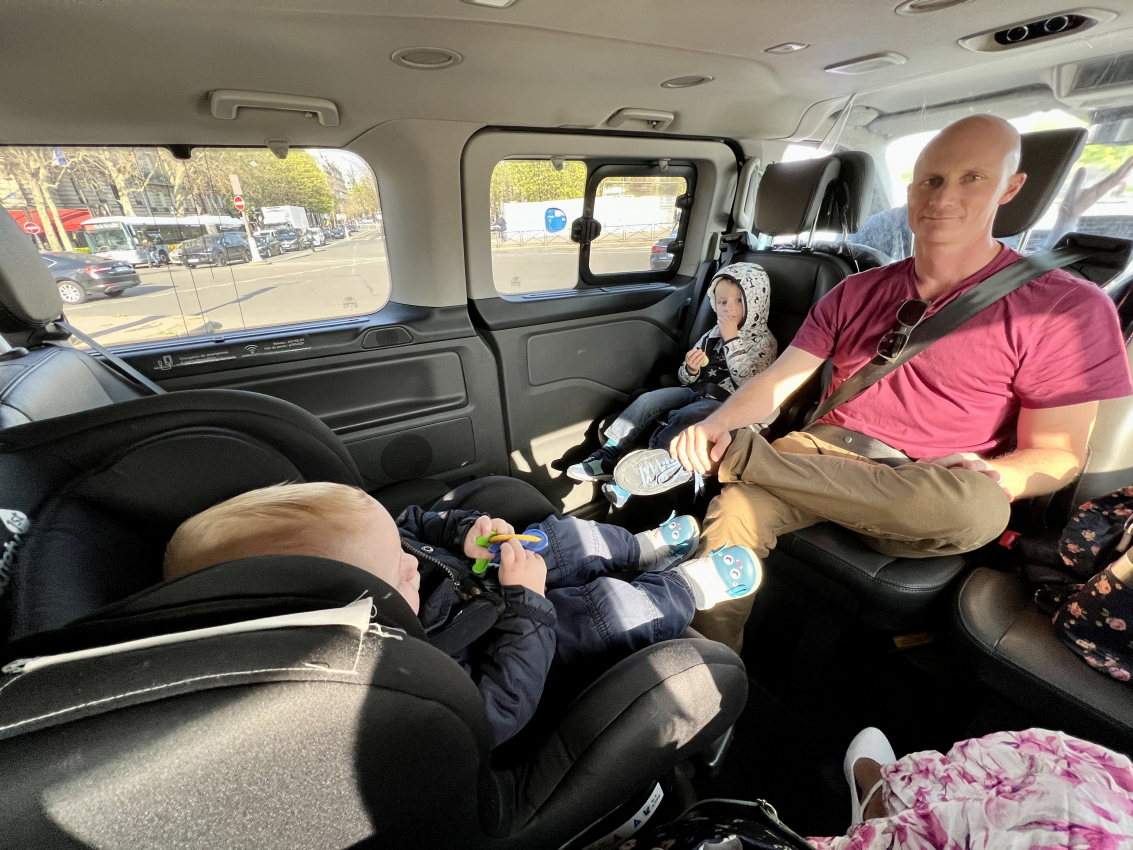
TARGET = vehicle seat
x,y
897,594
43,376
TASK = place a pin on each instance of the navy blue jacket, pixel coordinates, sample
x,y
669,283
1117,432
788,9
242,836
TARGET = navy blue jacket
x,y
509,664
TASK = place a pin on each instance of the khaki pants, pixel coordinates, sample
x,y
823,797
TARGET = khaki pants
x,y
910,511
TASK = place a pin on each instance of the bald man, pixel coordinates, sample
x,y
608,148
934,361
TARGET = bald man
x,y
1000,409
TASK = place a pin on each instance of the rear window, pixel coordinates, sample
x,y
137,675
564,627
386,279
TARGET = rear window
x,y
199,269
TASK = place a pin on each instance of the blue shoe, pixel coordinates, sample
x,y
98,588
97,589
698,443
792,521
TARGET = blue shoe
x,y
615,494
597,467
649,471
731,572
669,544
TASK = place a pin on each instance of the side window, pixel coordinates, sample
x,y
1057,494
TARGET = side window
x,y
643,214
532,206
109,202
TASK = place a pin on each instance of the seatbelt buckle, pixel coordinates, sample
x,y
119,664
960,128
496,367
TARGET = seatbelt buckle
x,y
1008,539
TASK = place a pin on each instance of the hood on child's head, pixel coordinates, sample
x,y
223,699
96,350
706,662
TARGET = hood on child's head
x,y
752,280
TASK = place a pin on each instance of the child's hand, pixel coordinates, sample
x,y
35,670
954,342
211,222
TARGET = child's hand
x,y
484,526
518,567
729,328
694,360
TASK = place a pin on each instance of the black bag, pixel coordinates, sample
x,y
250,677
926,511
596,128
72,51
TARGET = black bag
x,y
721,825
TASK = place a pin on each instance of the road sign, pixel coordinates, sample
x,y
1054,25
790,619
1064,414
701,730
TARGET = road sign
x,y
32,228
239,202
555,219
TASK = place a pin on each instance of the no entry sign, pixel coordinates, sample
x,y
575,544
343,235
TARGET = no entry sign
x,y
239,202
32,228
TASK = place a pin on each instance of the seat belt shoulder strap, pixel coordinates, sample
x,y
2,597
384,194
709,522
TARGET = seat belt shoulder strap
x,y
118,363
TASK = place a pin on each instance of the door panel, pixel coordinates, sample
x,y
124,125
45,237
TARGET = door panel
x,y
412,391
568,359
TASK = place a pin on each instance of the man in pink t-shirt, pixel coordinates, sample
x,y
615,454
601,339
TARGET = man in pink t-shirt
x,y
1000,409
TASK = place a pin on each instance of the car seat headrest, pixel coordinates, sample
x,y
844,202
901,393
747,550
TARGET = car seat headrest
x,y
849,197
29,298
1046,159
790,195
232,592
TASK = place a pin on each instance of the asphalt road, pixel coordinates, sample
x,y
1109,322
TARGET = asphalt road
x,y
342,278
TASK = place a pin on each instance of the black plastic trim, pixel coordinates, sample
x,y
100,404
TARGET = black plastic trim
x,y
497,314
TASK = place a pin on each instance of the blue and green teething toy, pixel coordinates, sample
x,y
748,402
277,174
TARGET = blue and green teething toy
x,y
533,540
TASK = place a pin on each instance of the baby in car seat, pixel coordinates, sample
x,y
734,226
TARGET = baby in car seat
x,y
738,347
561,604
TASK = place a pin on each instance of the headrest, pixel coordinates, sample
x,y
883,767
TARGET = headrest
x,y
1046,159
850,196
232,592
791,193
29,298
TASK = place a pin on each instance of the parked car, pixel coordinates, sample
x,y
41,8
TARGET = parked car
x,y
78,277
291,239
268,245
353,228
316,237
217,249
337,233
659,256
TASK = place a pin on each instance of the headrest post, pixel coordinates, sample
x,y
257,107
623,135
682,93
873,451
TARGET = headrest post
x,y
1024,238
810,237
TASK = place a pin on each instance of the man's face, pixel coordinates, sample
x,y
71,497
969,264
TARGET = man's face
x,y
376,548
959,182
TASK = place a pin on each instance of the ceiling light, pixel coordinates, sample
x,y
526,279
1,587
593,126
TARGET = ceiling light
x,y
920,7
687,82
426,58
787,47
495,4
865,64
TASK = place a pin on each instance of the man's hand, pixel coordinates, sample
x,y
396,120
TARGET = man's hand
x,y
729,328
694,360
699,448
519,567
484,526
972,461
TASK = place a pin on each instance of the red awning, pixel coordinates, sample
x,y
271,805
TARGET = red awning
x,y
72,219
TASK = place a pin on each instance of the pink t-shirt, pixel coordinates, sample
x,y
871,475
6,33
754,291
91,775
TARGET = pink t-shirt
x,y
1051,343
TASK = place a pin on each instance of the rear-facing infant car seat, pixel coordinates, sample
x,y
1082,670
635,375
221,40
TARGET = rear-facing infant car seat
x,y
332,734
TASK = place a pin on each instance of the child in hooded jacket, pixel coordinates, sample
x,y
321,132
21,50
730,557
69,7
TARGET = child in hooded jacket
x,y
738,347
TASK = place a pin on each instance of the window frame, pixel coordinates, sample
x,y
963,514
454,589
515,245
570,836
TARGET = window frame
x,y
595,175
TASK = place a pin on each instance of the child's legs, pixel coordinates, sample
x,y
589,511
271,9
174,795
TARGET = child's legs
x,y
608,615
680,419
578,550
644,409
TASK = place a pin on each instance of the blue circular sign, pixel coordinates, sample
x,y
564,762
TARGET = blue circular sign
x,y
555,219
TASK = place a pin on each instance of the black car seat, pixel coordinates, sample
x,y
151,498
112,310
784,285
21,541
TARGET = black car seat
x,y
326,735
896,594
41,375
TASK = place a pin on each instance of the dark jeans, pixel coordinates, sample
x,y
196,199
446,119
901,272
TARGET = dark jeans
x,y
688,415
681,403
598,614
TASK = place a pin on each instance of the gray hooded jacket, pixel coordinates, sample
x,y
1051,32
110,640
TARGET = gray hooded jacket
x,y
754,348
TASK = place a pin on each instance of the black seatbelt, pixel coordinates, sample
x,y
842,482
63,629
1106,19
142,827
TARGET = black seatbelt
x,y
704,274
111,360
950,317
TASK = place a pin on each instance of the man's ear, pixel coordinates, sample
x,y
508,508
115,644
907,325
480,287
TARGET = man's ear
x,y
1014,184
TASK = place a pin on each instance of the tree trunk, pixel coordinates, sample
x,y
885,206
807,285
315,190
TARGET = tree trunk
x,y
45,219
57,220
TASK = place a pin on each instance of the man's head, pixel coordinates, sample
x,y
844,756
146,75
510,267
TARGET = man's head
x,y
320,519
961,178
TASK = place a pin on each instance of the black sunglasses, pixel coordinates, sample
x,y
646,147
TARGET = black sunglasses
x,y
909,315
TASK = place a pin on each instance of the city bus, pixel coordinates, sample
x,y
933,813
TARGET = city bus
x,y
120,237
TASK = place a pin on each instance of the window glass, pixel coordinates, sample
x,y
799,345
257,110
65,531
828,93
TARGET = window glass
x,y
532,206
172,256
639,218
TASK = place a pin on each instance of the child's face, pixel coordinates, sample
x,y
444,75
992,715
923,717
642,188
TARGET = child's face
x,y
729,300
376,548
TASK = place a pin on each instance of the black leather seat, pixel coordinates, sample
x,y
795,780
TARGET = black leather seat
x,y
897,594
43,376
317,736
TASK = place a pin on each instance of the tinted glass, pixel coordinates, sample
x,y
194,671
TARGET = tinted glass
x,y
639,218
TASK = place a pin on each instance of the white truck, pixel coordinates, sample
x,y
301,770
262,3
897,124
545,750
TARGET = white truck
x,y
285,217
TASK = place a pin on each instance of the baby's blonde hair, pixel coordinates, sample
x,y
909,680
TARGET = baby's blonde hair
x,y
284,519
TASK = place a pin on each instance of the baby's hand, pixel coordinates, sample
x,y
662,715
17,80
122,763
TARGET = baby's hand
x,y
518,567
484,526
729,328
694,360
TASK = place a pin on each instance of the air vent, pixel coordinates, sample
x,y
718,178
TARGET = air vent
x,y
1095,83
866,64
921,7
1025,33
426,58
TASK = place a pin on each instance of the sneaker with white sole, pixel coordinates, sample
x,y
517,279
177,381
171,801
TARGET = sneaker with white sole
x,y
597,467
616,496
730,572
668,544
648,472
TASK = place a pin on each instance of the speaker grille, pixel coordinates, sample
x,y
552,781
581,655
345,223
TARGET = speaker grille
x,y
385,337
407,456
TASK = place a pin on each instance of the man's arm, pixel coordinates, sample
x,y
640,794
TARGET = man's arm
x,y
1051,450
751,403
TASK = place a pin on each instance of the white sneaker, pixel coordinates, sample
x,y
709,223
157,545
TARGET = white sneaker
x,y
870,743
